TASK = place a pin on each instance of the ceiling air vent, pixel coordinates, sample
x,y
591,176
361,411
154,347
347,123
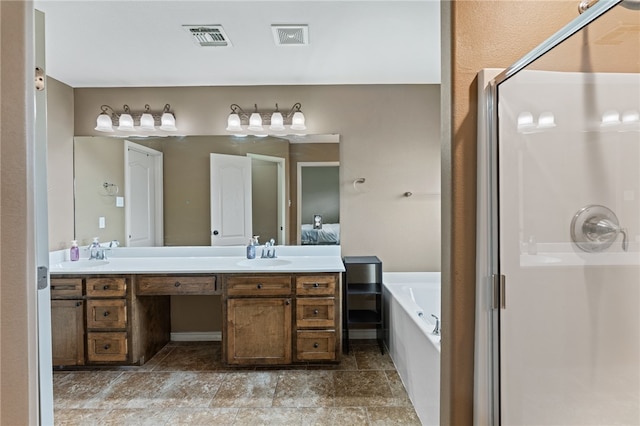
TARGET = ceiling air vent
x,y
208,35
290,35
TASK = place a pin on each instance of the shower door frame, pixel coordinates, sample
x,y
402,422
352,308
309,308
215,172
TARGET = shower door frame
x,y
495,279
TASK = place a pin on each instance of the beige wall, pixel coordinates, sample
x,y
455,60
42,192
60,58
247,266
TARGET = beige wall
x,y
92,200
483,34
60,163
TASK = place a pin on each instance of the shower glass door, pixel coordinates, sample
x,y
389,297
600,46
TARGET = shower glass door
x,y
568,206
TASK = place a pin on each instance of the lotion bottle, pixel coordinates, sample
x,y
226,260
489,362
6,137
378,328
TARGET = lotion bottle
x,y
74,251
251,249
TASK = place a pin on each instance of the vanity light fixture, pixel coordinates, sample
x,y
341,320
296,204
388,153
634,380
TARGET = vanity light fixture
x,y
147,122
127,120
241,123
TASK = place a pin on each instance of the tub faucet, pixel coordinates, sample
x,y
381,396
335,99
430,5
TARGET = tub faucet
x,y
436,329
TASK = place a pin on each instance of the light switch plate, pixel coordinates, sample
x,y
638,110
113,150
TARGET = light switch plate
x,y
102,222
119,201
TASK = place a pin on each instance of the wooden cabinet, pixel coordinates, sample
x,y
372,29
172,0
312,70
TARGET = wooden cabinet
x,y
89,320
257,326
67,332
317,318
280,319
157,285
268,318
107,320
67,321
258,330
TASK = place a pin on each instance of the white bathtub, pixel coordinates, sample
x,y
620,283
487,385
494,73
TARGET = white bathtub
x,y
410,298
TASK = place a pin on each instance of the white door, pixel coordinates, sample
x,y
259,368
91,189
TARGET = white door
x,y
230,200
143,196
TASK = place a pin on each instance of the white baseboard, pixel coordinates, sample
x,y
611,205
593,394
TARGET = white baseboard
x,y
197,336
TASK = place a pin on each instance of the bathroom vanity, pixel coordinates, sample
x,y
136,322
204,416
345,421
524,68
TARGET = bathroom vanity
x,y
275,311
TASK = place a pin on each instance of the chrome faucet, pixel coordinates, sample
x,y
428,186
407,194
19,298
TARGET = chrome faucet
x,y
436,329
97,252
114,243
269,250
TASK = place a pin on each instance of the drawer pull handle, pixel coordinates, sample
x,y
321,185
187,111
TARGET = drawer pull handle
x,y
315,312
107,347
106,313
315,345
78,303
259,286
316,285
287,302
177,284
105,287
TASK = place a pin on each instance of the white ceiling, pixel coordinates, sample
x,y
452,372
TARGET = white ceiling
x,y
92,43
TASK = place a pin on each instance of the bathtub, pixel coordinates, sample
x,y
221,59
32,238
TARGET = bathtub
x,y
410,298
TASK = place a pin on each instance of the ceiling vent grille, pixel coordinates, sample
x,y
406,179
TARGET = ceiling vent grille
x,y
290,35
208,35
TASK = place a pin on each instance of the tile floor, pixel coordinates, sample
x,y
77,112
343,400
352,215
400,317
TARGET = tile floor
x,y
187,384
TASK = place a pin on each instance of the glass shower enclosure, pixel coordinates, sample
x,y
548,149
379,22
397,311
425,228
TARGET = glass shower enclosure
x,y
562,206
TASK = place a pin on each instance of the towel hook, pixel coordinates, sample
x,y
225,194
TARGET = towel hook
x,y
357,181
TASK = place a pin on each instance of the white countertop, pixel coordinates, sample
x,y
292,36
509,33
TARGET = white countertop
x,y
170,260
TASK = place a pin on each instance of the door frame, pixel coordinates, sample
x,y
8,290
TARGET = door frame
x,y
157,157
282,209
302,164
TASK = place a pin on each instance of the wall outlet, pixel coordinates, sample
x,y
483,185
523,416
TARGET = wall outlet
x,y
119,201
102,222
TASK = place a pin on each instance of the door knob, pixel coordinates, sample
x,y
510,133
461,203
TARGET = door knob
x,y
215,232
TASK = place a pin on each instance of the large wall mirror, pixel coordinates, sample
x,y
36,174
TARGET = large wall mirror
x,y
104,195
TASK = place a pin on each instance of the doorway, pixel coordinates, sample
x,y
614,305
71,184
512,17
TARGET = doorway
x,y
318,199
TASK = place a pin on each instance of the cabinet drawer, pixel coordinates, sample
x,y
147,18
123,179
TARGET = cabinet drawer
x,y
107,287
258,285
107,347
316,345
175,285
316,285
66,287
315,312
106,313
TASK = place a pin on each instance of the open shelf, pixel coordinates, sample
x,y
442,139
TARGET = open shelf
x,y
362,287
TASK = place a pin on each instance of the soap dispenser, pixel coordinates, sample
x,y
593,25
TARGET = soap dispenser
x,y
251,249
74,251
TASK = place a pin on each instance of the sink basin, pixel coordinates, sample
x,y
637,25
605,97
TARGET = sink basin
x,y
263,263
81,264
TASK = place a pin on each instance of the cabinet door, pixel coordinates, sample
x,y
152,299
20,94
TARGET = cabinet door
x,y
258,331
67,332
